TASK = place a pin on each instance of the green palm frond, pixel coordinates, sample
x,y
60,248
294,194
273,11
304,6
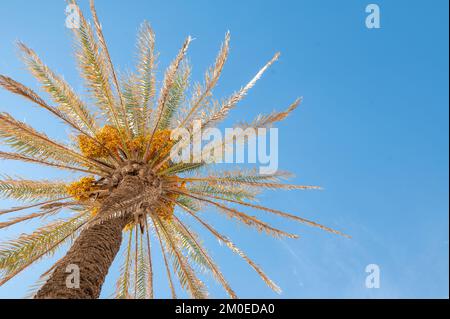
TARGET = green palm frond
x,y
238,192
264,121
165,258
150,280
277,212
28,142
145,78
192,204
199,255
142,270
68,102
95,71
43,214
106,57
130,93
219,114
28,190
168,83
203,93
123,282
18,254
233,248
247,220
182,168
23,158
175,96
186,275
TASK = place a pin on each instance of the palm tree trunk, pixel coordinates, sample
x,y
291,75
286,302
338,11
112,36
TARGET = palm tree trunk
x,y
93,253
96,247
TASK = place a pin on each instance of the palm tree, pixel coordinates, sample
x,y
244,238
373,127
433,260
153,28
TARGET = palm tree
x,y
129,187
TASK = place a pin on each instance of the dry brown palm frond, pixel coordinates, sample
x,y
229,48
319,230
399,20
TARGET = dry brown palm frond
x,y
231,246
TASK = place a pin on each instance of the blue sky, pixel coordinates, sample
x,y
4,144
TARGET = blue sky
x,y
373,131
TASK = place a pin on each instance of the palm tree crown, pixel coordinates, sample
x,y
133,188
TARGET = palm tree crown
x,y
123,157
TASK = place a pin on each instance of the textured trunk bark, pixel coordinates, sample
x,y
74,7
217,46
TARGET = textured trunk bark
x,y
97,246
93,253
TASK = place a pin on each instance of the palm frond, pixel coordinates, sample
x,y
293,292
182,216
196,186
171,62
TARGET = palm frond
x,y
166,263
20,89
44,213
110,67
237,181
276,212
41,205
68,102
244,218
23,158
198,253
202,93
186,274
264,121
28,190
149,261
238,192
123,283
130,93
181,168
235,249
18,254
28,142
175,96
221,113
142,270
95,71
168,83
145,79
